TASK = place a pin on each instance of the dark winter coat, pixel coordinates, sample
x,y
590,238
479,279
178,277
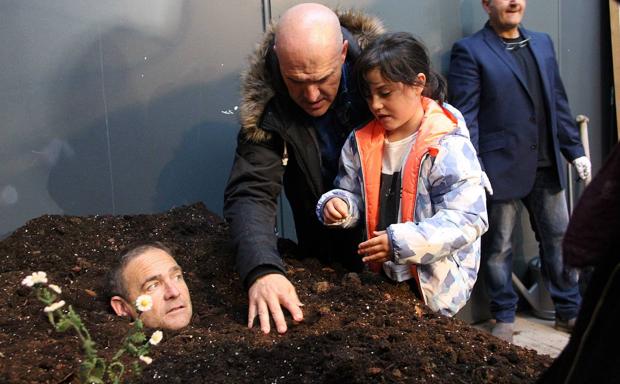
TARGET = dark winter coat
x,y
593,239
277,146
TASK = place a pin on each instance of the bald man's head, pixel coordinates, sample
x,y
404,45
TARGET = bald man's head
x,y
311,51
308,27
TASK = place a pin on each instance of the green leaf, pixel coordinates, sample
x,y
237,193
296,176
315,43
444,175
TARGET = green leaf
x,y
116,371
144,349
93,371
63,325
138,325
94,380
85,369
75,317
99,368
137,338
131,349
136,368
89,346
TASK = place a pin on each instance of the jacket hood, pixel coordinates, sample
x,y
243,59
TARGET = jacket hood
x,y
259,84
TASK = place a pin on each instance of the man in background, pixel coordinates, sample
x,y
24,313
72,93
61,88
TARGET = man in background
x,y
506,82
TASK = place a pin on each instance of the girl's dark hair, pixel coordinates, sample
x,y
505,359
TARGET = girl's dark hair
x,y
400,57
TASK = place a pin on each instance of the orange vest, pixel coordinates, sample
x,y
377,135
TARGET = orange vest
x,y
437,122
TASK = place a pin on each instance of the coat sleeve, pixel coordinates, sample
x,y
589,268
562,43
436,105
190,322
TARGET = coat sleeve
x,y
592,233
464,88
348,183
568,133
458,208
250,207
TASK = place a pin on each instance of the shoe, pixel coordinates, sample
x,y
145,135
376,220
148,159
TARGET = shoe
x,y
565,325
503,331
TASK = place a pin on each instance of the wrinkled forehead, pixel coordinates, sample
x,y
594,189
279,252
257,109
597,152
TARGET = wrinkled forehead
x,y
311,51
313,64
152,262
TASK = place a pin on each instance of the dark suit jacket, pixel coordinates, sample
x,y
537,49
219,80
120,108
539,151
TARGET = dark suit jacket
x,y
485,83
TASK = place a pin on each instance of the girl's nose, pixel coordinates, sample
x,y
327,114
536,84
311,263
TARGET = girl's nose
x,y
374,103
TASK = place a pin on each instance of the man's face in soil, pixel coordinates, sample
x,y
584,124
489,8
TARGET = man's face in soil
x,y
157,274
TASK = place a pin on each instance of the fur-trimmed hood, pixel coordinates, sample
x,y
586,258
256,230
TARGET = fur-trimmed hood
x,y
258,85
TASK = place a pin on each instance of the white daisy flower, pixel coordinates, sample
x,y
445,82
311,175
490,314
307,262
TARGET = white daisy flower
x,y
144,303
147,360
55,306
55,288
28,281
156,337
36,278
39,277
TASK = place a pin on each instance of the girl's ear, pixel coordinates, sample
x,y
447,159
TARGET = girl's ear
x,y
120,306
422,79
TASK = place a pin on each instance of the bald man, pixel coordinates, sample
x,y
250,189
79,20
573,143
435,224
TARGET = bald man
x,y
300,101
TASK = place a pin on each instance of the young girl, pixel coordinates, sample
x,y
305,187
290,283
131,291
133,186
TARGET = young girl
x,y
413,175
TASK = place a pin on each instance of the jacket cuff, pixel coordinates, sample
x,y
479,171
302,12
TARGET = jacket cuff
x,y
348,221
260,271
395,257
320,205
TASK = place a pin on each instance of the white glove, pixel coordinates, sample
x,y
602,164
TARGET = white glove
x,y
583,166
486,183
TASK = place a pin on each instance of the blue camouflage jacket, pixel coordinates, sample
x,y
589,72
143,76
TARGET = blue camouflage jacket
x,y
443,240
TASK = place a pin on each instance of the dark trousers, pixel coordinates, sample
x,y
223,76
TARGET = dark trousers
x,y
546,205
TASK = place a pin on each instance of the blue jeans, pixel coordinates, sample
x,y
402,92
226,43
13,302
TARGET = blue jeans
x,y
546,205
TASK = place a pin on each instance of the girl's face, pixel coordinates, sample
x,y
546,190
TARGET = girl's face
x,y
397,106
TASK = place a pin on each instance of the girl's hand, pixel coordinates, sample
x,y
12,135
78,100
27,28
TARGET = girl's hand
x,y
376,249
335,210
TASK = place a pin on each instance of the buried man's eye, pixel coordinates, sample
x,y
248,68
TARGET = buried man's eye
x,y
179,276
151,286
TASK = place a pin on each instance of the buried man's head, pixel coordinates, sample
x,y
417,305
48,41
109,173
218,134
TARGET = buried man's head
x,y
151,270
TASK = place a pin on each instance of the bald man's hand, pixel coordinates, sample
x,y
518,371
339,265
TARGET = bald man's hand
x,y
267,296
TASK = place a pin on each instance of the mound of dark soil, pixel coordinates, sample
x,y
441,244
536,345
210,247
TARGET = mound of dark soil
x,y
357,328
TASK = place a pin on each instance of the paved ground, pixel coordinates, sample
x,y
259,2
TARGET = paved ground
x,y
534,333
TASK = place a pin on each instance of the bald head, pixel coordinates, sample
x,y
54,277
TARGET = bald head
x,y
308,28
311,51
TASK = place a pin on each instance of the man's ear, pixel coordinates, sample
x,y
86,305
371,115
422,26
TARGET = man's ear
x,y
345,48
485,5
120,306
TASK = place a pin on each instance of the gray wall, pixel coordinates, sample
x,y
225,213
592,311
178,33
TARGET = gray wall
x,y
124,107
120,106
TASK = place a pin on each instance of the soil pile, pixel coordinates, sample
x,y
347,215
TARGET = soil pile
x,y
358,328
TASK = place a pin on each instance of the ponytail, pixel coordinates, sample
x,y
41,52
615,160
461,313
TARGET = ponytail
x,y
436,87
